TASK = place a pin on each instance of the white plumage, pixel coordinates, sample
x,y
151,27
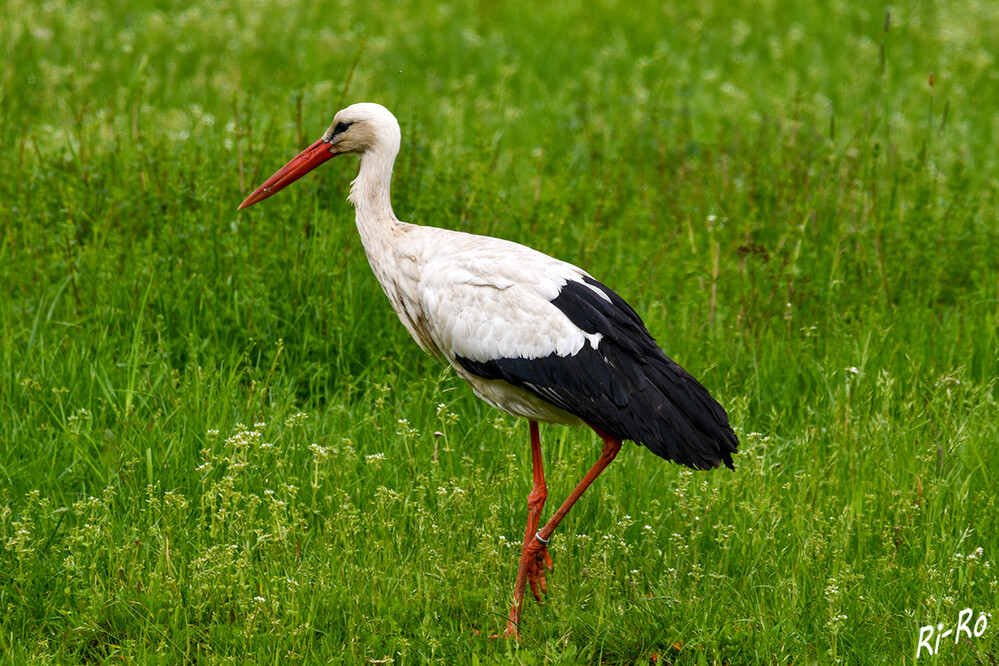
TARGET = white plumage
x,y
484,299
532,335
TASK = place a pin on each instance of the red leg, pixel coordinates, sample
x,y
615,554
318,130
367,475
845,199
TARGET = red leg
x,y
539,492
535,554
535,503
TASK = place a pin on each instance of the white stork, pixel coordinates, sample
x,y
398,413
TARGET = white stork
x,y
534,336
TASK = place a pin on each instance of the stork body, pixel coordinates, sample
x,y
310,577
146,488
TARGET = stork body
x,y
533,336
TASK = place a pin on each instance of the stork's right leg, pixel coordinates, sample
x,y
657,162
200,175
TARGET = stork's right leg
x,y
535,503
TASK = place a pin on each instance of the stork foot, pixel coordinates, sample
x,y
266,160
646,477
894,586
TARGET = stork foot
x,y
534,560
538,560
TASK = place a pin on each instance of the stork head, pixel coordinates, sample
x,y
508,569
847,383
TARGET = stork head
x,y
366,129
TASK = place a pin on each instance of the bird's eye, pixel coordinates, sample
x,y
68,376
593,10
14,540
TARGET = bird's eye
x,y
340,128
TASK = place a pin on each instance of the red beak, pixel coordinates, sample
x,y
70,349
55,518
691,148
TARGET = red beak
x,y
306,161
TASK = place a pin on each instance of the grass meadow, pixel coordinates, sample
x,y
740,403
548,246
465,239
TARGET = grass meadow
x,y
218,445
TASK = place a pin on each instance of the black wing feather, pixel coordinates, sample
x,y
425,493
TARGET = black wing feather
x,y
627,387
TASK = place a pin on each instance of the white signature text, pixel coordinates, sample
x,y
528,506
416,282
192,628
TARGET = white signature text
x,y
963,626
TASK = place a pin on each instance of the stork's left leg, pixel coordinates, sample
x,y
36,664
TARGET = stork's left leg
x,y
535,553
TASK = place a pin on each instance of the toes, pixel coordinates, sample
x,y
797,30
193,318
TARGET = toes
x,y
537,560
541,560
532,578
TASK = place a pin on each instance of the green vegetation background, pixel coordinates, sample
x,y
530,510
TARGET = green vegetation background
x,y
217,444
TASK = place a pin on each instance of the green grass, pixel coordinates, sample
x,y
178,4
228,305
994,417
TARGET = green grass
x,y
218,445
